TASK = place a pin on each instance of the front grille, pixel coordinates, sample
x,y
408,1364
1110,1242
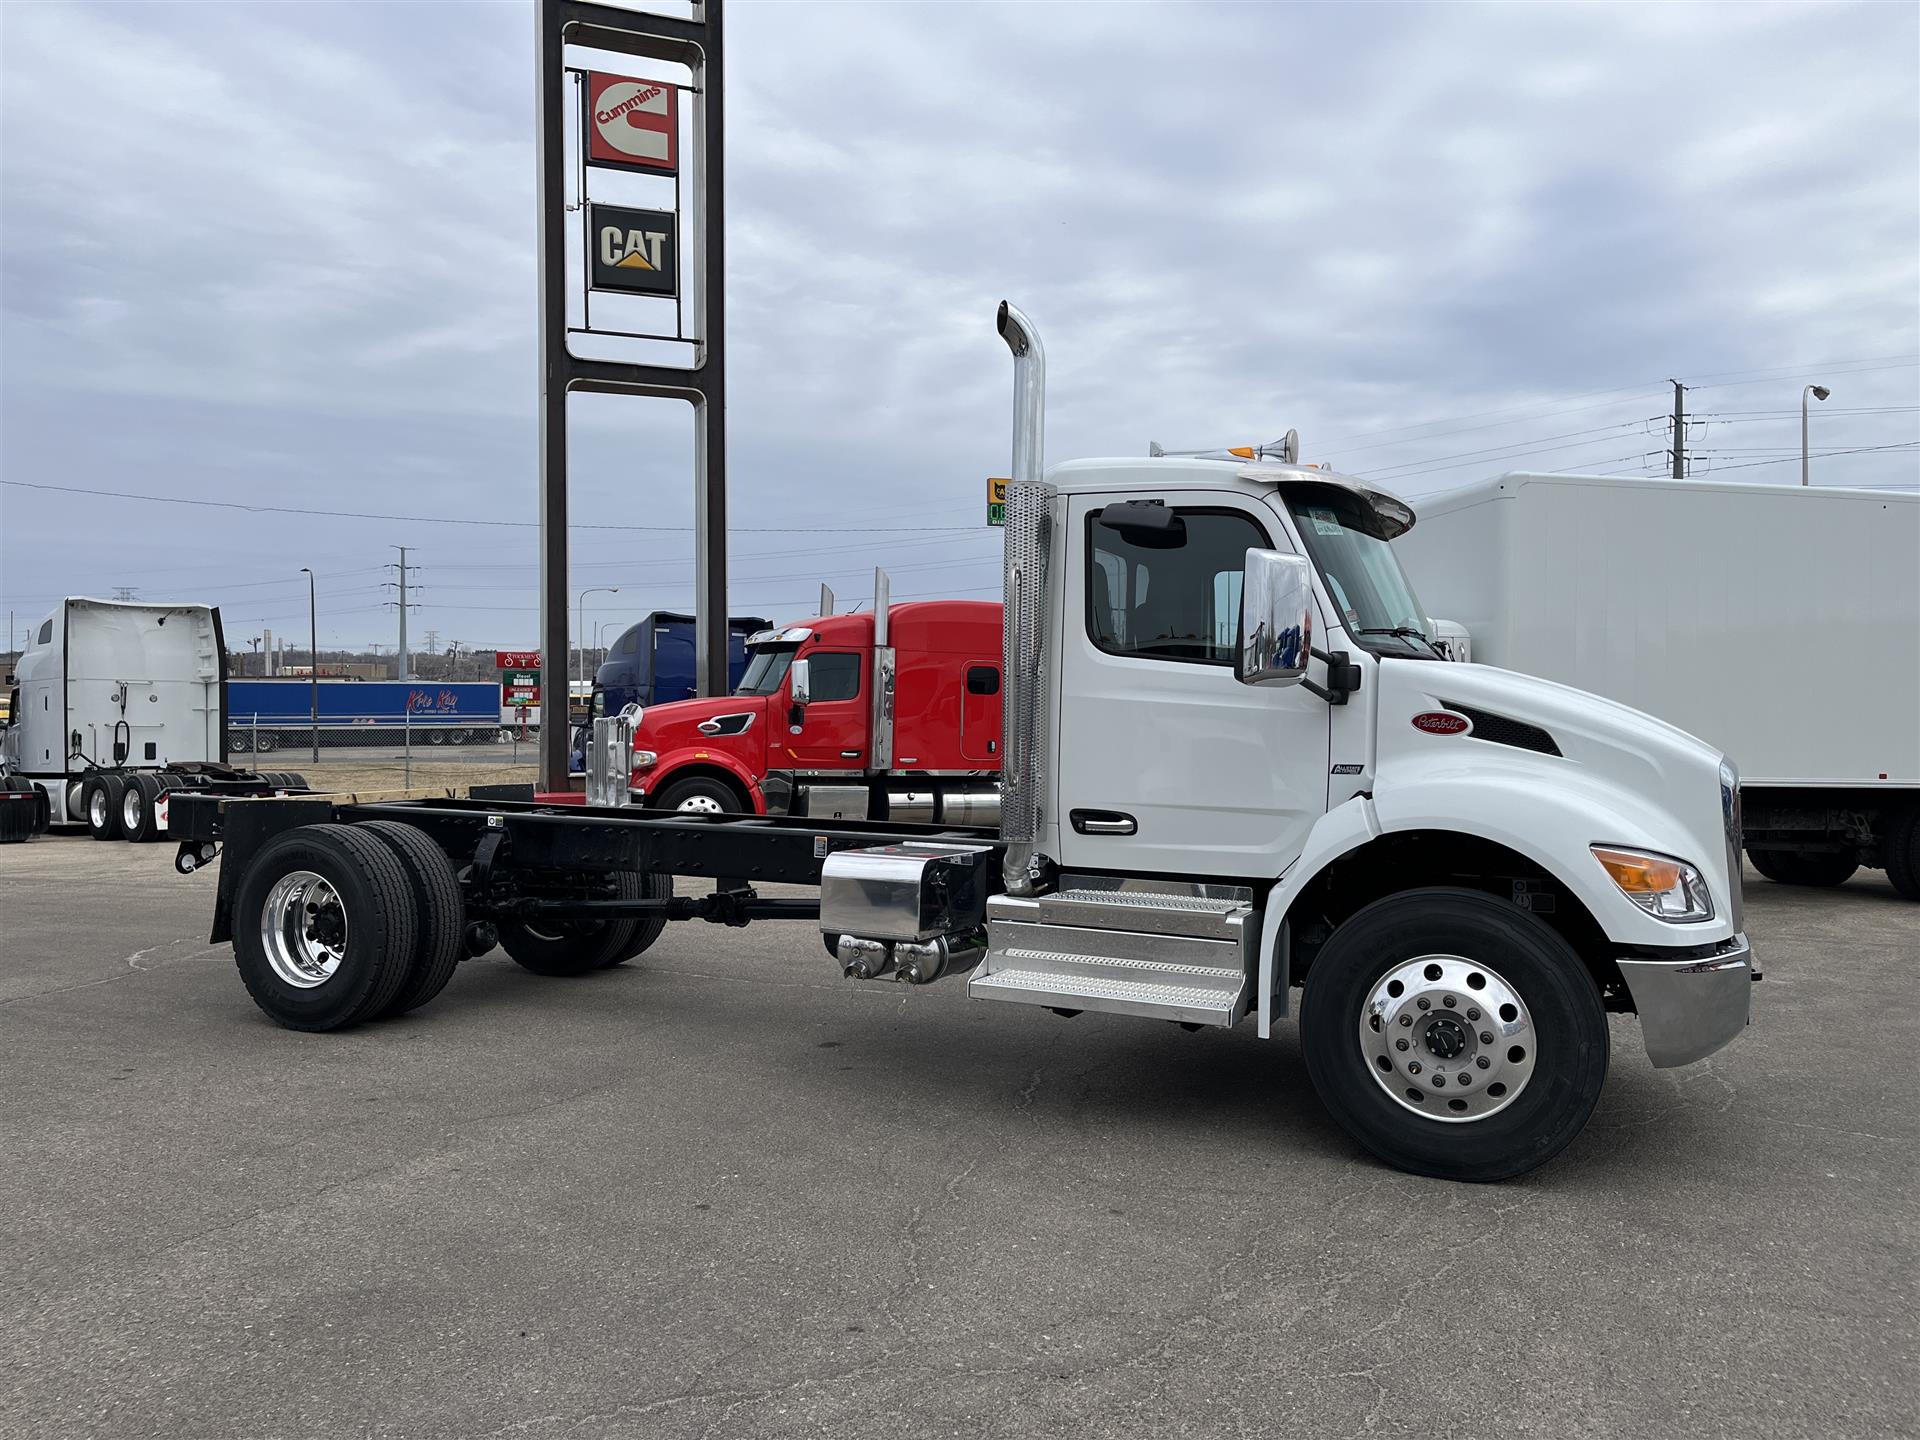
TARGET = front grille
x,y
1499,730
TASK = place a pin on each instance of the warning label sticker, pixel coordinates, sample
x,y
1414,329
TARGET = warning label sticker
x,y
634,124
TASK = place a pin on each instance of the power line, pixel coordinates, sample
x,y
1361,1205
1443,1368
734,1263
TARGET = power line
x,y
469,520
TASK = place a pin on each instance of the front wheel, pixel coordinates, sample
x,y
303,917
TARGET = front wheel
x,y
701,795
1453,1035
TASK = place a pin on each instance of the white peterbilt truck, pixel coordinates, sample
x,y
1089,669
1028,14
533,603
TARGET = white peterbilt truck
x,y
1234,772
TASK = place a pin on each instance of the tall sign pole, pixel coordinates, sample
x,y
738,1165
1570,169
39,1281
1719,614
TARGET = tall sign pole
x,y
630,123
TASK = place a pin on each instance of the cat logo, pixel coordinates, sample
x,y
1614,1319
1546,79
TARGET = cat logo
x,y
633,249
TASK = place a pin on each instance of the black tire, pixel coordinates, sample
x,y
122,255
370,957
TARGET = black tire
x,y
1900,852
1569,1065
440,935
42,810
136,808
266,740
1804,867
17,810
436,736
376,903
100,795
647,930
578,947
238,742
701,794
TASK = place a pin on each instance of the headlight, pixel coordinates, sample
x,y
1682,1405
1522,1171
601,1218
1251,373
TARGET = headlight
x,y
1666,888
643,758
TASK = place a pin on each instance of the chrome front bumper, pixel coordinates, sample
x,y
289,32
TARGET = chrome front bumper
x,y
1689,1008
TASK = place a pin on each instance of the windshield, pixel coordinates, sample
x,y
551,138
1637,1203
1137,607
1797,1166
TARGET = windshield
x,y
766,668
1362,573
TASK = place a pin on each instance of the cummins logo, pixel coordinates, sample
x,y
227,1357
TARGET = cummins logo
x,y
634,249
633,124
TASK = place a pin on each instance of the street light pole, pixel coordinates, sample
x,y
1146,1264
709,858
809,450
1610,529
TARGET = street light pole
x,y
1819,392
313,658
580,616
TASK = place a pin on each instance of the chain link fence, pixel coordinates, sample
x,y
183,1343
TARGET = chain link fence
x,y
385,752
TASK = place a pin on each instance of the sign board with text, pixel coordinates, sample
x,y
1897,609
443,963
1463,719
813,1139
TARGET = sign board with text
x,y
632,124
633,250
996,502
516,659
520,688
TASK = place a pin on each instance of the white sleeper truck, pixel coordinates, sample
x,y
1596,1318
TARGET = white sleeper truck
x,y
1238,785
117,706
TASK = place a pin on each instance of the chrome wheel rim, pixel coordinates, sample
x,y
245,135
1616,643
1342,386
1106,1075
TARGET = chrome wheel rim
x,y
130,804
700,805
1447,1038
97,808
303,929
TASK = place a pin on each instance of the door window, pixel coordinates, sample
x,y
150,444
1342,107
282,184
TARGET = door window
x,y
983,680
1191,611
833,675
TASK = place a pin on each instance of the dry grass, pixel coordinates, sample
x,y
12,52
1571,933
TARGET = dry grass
x,y
433,776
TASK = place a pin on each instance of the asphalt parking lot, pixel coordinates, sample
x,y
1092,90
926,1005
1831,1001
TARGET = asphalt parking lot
x,y
722,1193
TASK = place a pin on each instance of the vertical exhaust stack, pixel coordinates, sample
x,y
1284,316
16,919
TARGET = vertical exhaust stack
x,y
883,674
1029,540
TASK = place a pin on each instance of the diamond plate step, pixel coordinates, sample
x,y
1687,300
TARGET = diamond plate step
x,y
1034,938
1157,995
1143,911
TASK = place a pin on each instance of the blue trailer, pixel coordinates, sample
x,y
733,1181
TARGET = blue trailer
x,y
266,714
652,662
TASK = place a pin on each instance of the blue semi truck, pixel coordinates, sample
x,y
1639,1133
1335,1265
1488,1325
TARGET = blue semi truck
x,y
263,715
652,662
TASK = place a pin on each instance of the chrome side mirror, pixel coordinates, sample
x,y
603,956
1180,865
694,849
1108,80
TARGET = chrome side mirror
x,y
1276,619
799,686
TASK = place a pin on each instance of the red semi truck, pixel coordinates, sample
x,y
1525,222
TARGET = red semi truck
x,y
888,715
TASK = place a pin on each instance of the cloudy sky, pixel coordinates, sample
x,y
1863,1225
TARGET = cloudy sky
x,y
283,256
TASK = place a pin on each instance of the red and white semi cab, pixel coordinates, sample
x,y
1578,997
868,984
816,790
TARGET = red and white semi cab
x,y
1237,784
892,714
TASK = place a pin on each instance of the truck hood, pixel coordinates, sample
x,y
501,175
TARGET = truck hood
x,y
1621,777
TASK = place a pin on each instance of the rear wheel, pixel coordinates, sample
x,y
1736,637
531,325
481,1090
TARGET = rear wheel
x,y
1900,852
1804,867
701,795
239,742
579,947
1453,1035
102,800
439,940
136,808
324,927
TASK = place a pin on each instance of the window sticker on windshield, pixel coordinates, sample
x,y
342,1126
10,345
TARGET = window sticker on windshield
x,y
1325,522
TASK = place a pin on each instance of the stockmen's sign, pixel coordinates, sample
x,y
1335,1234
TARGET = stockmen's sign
x,y
633,249
516,659
634,124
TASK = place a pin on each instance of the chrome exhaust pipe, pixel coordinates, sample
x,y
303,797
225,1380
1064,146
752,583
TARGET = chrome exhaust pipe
x,y
1029,540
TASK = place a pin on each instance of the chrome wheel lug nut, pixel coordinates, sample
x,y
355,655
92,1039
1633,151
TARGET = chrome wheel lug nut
x,y
1482,1062
1439,1081
1448,1001
1424,1003
1406,1019
1413,1067
1399,1044
1473,1012
1486,1037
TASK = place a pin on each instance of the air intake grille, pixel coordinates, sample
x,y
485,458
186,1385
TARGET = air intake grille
x,y
1499,730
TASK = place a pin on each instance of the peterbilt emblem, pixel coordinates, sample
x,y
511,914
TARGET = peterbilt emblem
x,y
1442,722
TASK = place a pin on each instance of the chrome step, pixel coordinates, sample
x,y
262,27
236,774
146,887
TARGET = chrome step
x,y
1148,912
1211,1002
1162,956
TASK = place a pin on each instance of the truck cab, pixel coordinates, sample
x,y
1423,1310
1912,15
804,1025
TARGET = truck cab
x,y
888,714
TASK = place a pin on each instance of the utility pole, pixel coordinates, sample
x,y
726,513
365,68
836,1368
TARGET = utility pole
x,y
403,675
1679,430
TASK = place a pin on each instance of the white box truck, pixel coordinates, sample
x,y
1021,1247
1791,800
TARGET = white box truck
x,y
114,707
1778,623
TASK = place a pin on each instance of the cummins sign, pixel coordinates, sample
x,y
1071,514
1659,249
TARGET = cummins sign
x,y
633,250
633,124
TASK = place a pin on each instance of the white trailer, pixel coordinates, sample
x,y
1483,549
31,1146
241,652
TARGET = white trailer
x,y
1779,623
113,706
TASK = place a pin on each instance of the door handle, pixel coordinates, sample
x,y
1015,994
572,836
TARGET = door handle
x,y
1102,822
849,754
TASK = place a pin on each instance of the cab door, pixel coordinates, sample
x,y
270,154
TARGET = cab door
x,y
1167,764
830,733
980,712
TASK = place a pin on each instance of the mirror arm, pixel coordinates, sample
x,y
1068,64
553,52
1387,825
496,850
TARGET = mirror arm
x,y
1343,676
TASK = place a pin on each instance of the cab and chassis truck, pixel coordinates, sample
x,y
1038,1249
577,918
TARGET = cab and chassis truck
x,y
1226,795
